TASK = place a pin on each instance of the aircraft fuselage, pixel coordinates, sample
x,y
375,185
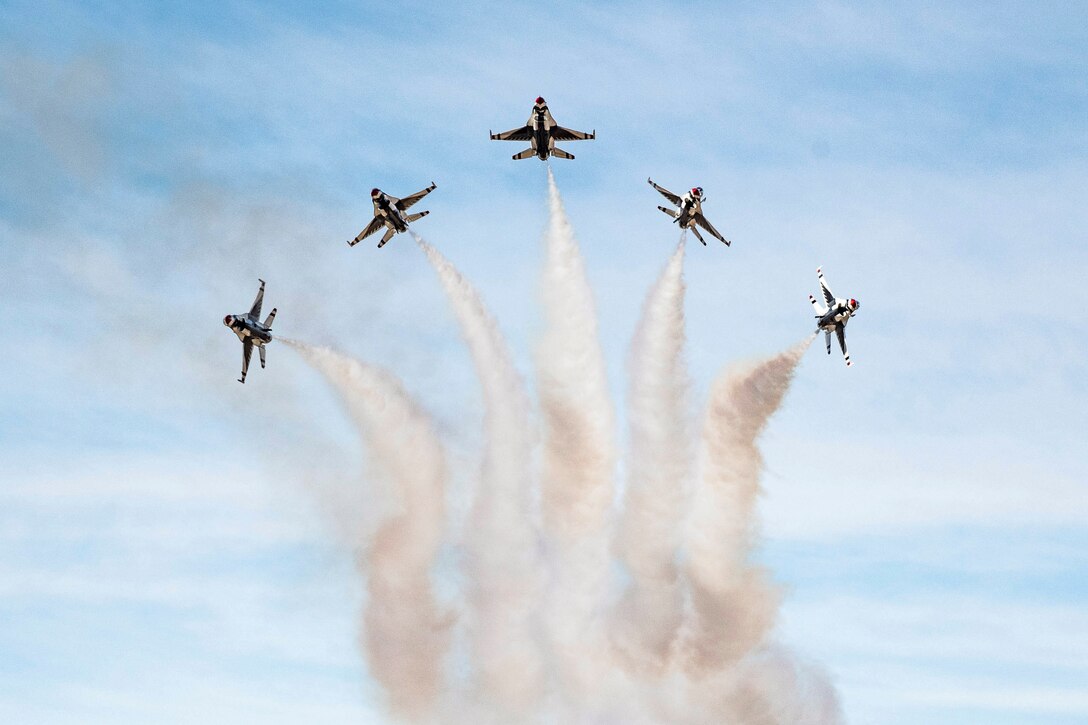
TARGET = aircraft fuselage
x,y
245,329
689,207
391,216
542,141
839,312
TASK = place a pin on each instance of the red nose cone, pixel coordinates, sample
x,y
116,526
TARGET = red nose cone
x,y
375,192
227,319
539,99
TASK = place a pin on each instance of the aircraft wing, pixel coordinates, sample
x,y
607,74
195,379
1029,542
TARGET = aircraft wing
x,y
828,297
665,193
407,201
247,352
568,134
701,221
515,134
375,224
840,332
255,310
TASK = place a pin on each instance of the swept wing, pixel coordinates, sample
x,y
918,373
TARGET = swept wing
x,y
568,134
701,221
407,201
665,193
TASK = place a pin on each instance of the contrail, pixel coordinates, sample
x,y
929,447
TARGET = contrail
x,y
579,454
405,632
733,602
659,467
504,578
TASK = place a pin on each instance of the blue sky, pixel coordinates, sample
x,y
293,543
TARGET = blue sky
x,y
163,554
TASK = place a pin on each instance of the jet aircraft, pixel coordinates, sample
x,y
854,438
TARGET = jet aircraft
x,y
541,131
834,316
251,331
690,212
389,212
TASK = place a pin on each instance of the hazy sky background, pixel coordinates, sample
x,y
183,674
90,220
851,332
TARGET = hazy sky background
x,y
175,547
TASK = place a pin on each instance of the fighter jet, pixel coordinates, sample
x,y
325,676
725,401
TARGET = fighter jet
x,y
833,317
690,212
541,131
389,212
250,331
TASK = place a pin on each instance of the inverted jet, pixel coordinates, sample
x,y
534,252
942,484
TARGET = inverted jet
x,y
541,131
833,316
690,212
251,331
389,213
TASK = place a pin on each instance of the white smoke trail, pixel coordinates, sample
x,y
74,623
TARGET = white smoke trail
x,y
504,569
774,687
405,632
579,456
733,602
651,611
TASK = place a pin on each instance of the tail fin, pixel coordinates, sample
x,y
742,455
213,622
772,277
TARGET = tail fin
x,y
260,351
561,154
388,235
827,339
271,316
526,154
414,217
820,309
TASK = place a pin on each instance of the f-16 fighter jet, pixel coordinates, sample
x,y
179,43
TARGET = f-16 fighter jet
x,y
389,212
541,131
833,317
690,212
251,331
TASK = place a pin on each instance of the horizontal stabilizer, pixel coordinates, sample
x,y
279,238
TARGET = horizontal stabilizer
x,y
670,212
698,235
388,235
271,316
561,154
414,217
527,153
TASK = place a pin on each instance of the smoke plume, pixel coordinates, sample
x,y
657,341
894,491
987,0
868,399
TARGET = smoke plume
x,y
578,457
554,632
503,578
659,465
405,633
733,601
